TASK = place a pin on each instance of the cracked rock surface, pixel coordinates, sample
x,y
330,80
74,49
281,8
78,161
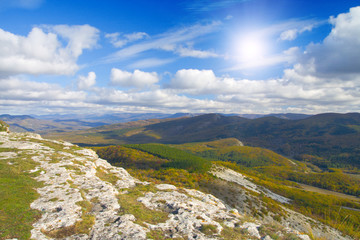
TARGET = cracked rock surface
x,y
79,199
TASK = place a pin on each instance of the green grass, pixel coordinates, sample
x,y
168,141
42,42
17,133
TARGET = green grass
x,y
208,229
80,227
73,168
130,205
178,158
106,176
17,191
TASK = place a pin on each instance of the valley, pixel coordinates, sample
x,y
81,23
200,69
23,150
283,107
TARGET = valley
x,y
242,162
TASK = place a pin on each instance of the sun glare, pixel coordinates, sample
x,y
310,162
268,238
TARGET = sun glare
x,y
250,48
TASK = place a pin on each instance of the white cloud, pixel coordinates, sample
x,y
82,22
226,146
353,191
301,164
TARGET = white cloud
x,y
79,37
326,77
289,34
339,52
193,79
150,62
137,79
189,52
24,90
292,34
126,38
42,52
273,95
288,56
156,100
85,82
168,41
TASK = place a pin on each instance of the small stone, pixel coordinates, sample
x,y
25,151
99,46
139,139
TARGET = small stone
x,y
252,228
304,237
166,187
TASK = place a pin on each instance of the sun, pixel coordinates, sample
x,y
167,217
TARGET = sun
x,y
250,48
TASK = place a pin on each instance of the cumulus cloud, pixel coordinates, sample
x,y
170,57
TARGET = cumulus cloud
x,y
137,79
43,52
125,39
156,100
293,91
193,79
85,82
79,37
339,52
25,90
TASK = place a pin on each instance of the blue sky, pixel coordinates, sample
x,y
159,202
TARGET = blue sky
x,y
230,56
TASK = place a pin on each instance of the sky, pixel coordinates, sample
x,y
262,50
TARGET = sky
x,y
143,56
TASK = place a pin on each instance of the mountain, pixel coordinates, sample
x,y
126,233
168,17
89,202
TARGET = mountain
x,y
26,123
333,137
57,123
57,190
289,116
7,117
328,140
111,118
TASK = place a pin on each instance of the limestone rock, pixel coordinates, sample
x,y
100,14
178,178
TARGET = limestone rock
x,y
82,189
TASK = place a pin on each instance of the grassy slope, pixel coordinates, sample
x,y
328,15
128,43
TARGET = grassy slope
x,y
273,171
326,208
17,191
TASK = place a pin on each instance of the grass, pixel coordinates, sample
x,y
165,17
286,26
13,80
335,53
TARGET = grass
x,y
130,205
106,176
76,170
233,233
178,159
80,227
208,229
17,191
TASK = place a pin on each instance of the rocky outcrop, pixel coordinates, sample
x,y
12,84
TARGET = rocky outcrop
x,y
235,177
84,197
293,221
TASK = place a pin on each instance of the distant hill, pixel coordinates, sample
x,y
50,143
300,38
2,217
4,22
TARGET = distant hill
x,y
26,123
110,134
289,116
111,118
327,140
333,137
57,123
7,117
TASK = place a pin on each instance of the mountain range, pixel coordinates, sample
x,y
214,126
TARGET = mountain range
x,y
329,139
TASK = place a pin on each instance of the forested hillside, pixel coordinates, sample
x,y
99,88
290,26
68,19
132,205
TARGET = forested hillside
x,y
178,165
326,140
